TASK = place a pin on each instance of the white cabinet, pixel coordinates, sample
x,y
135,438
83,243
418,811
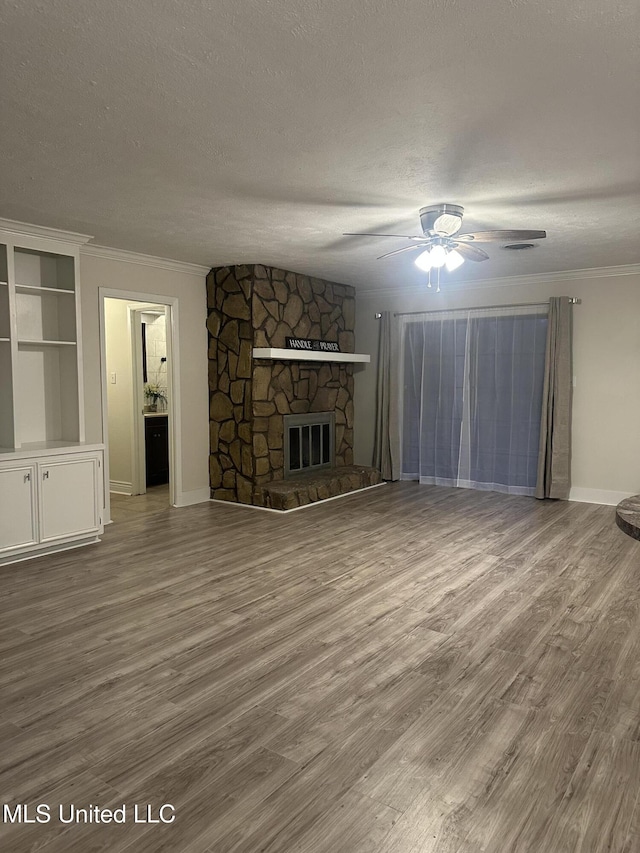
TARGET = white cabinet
x,y
69,487
18,506
50,503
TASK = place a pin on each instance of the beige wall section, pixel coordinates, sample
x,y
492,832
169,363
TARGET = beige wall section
x,y
606,350
120,394
96,272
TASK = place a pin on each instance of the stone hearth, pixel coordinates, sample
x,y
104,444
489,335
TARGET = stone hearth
x,y
253,305
309,488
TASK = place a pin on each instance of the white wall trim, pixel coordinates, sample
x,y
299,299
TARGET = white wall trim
x,y
119,487
197,496
145,260
304,506
509,281
597,496
27,229
138,472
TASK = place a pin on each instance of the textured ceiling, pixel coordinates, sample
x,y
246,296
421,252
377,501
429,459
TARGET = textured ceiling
x,y
259,130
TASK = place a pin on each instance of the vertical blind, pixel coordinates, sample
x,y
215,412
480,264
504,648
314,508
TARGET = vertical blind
x,y
472,398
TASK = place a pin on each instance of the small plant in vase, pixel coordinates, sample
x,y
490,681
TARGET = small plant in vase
x,y
154,394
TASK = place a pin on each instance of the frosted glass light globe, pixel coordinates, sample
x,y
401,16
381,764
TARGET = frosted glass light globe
x,y
423,261
438,256
453,260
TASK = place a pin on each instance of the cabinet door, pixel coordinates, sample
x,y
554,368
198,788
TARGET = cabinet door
x,y
17,507
69,491
157,450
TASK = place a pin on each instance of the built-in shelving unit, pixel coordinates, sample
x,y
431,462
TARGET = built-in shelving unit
x,y
50,479
40,357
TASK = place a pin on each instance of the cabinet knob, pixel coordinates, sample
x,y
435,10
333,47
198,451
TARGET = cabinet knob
x,y
27,477
45,475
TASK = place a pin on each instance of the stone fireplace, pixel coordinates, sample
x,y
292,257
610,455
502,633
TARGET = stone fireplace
x,y
255,306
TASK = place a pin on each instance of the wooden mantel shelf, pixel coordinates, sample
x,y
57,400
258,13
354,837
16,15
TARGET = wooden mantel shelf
x,y
309,355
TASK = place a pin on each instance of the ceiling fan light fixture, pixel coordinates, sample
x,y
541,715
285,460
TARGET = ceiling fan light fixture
x,y
423,261
438,256
439,247
453,260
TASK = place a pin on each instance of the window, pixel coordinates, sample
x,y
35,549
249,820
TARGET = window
x,y
472,398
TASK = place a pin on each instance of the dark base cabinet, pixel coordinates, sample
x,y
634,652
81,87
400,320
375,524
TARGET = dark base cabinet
x,y
156,439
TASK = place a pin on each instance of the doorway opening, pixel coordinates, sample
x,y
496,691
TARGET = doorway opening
x,y
139,390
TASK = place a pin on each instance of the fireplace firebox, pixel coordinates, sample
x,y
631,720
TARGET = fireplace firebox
x,y
308,442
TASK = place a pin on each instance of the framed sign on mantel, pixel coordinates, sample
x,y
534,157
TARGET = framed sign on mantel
x,y
312,345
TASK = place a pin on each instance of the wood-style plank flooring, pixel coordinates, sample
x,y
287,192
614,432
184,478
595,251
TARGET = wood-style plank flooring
x,y
125,507
411,669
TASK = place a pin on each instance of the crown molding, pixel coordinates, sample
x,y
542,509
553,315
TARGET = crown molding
x,y
512,281
145,260
26,229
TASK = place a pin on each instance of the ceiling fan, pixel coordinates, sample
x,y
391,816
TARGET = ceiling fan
x,y
443,246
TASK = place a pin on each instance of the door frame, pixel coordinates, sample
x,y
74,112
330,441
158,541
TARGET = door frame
x,y
170,303
138,463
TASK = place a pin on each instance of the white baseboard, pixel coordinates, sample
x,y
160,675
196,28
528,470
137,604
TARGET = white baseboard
x,y
197,496
597,496
51,548
304,506
119,487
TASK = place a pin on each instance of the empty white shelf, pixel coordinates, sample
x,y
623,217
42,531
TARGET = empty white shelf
x,y
32,288
30,343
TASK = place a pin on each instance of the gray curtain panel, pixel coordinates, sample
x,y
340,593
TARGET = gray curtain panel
x,y
554,458
386,451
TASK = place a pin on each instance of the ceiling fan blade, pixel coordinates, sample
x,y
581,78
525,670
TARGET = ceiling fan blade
x,y
405,249
357,234
471,253
501,236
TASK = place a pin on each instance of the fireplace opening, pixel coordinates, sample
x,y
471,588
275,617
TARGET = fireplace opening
x,y
309,442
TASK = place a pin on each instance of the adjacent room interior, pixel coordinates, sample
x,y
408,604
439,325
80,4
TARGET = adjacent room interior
x,y
135,358
319,471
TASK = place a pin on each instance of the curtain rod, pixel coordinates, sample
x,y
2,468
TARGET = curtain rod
x,y
573,300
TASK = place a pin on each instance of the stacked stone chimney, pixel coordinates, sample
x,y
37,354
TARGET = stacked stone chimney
x,y
256,306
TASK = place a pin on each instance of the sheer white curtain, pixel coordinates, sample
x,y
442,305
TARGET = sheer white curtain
x,y
472,398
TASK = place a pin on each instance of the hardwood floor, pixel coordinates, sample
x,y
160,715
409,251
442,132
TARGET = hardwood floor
x,y
123,507
411,669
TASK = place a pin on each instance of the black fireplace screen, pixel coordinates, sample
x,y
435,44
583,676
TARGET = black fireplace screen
x,y
309,442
